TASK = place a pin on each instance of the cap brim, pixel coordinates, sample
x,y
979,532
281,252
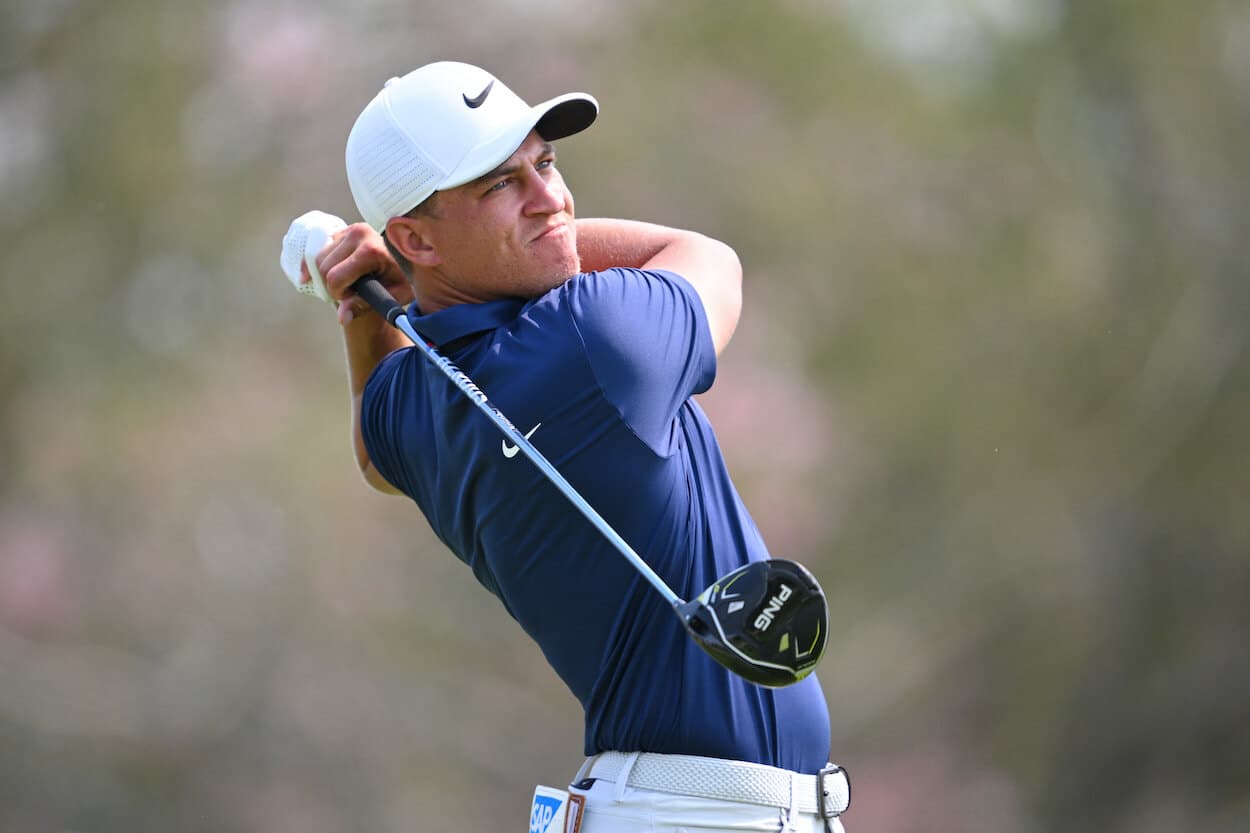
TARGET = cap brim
x,y
554,119
565,115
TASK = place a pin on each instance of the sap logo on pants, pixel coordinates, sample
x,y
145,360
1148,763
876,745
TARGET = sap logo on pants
x,y
543,812
547,807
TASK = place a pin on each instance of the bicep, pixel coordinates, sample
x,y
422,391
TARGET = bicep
x,y
377,425
379,483
372,476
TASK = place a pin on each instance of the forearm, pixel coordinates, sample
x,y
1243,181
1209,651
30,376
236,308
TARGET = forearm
x,y
603,243
710,266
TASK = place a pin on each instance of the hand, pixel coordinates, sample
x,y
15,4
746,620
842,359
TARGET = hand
x,y
349,255
323,257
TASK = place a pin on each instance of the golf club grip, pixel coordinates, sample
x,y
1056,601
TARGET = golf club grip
x,y
371,289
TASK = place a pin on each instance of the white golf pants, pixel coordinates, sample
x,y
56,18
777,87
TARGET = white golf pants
x,y
613,806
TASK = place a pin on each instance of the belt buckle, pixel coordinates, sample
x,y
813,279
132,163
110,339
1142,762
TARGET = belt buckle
x,y
824,796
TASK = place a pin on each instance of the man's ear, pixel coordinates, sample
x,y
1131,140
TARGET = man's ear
x,y
410,236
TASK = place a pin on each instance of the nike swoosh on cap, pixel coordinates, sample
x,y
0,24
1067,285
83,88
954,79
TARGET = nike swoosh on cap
x,y
510,451
478,99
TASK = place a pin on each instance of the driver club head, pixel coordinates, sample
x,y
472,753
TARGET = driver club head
x,y
767,622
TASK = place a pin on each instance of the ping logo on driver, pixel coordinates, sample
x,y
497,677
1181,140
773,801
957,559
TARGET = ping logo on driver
x,y
770,611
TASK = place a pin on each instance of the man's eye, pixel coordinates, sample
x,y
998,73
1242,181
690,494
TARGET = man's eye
x,y
546,163
498,186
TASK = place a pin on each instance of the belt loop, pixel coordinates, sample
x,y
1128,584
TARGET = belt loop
x,y
584,769
622,777
792,814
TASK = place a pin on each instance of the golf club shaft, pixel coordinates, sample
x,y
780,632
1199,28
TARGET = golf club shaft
x,y
377,297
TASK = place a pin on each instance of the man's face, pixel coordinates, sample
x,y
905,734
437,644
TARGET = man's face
x,y
509,233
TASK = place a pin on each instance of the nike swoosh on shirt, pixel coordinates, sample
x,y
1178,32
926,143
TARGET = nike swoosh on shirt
x,y
510,451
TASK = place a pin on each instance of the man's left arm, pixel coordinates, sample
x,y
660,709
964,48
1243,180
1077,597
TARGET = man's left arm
x,y
710,266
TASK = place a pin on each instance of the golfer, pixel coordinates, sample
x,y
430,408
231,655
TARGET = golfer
x,y
593,336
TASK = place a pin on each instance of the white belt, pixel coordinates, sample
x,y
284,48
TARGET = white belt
x,y
826,794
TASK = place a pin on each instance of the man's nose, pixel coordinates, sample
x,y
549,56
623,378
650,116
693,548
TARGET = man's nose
x,y
546,195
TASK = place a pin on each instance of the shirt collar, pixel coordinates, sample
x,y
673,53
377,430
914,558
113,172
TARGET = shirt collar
x,y
461,320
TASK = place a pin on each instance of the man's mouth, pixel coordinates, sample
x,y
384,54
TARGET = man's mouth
x,y
558,228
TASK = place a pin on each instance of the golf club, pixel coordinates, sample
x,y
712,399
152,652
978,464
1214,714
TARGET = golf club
x,y
766,621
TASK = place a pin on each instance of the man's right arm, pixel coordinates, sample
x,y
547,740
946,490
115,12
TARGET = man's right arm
x,y
710,266
367,338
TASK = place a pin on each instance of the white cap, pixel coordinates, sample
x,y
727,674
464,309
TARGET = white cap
x,y
442,125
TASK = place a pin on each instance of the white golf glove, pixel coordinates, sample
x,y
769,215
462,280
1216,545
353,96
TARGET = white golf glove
x,y
304,240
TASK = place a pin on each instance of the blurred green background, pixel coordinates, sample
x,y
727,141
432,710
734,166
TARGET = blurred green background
x,y
992,383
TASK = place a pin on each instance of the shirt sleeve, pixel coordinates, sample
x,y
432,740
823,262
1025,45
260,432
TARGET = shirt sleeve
x,y
380,417
648,342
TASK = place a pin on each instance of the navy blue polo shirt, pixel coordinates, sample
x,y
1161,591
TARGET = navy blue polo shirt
x,y
599,372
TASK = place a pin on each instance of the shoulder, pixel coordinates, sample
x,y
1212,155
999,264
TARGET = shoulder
x,y
641,328
631,302
386,370
636,286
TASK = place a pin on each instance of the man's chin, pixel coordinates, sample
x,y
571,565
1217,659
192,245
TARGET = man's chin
x,y
566,268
